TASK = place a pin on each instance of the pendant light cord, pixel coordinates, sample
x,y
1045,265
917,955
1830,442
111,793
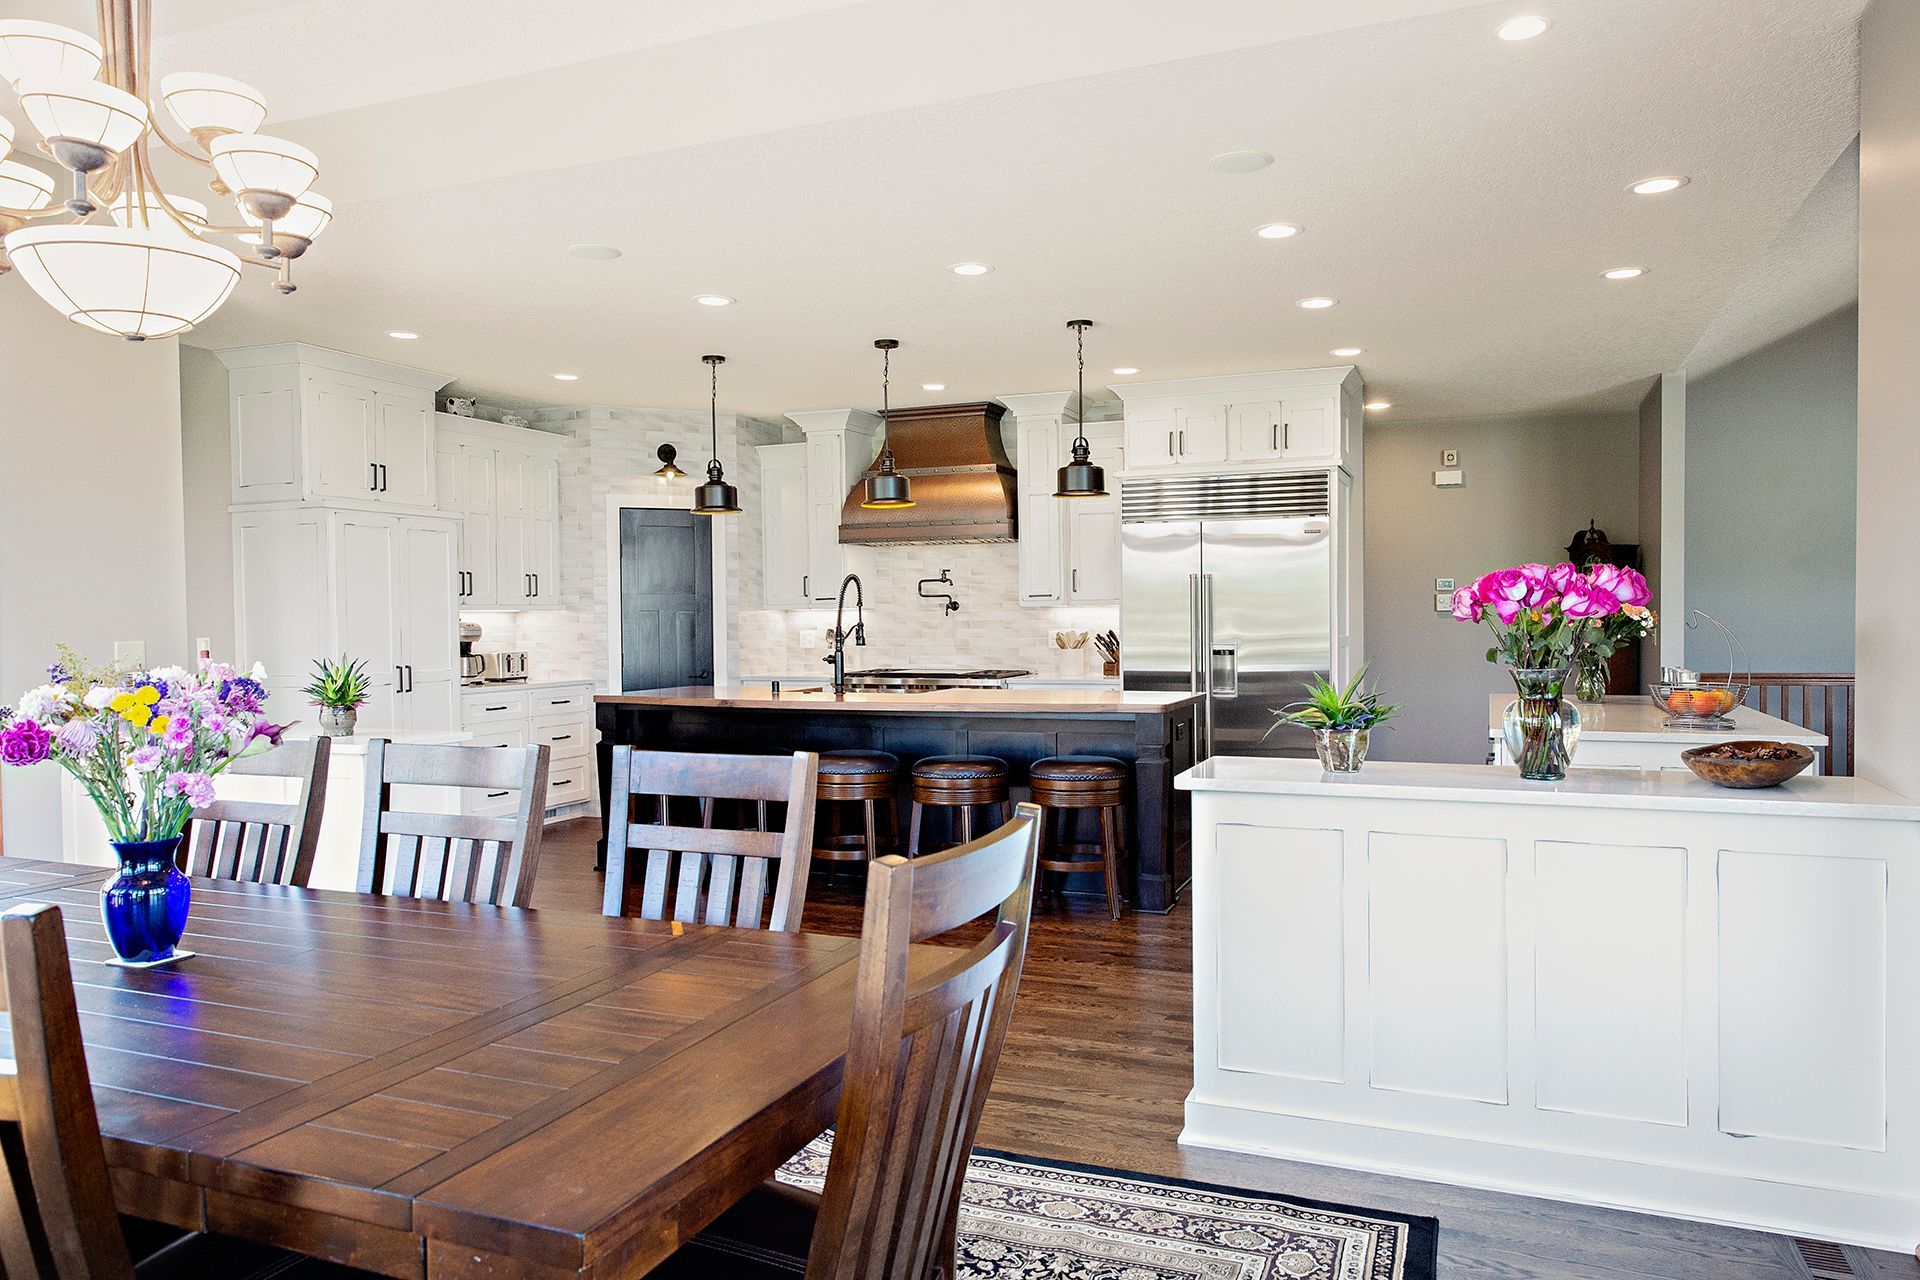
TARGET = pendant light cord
x,y
713,406
886,398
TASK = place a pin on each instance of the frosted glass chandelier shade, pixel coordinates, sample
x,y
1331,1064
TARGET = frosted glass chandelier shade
x,y
249,162
6,137
310,215
131,281
42,50
24,187
147,211
207,105
83,111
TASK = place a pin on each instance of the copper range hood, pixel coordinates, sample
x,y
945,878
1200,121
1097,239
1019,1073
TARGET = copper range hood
x,y
962,482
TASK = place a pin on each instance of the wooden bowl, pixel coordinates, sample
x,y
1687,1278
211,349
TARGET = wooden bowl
x,y
1748,773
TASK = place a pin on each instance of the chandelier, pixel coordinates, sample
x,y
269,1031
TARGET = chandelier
x,y
126,257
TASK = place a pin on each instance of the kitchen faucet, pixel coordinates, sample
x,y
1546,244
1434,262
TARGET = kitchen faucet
x,y
839,655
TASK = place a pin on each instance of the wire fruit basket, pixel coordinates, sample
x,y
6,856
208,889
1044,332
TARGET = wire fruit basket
x,y
1693,703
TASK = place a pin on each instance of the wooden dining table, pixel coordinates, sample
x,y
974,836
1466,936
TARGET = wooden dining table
x,y
431,1089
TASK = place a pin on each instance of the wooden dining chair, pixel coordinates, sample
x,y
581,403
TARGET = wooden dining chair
x,y
57,1218
260,841
925,1043
720,876
454,857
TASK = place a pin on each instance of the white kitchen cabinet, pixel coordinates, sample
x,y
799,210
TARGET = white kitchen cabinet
x,y
786,573
1267,421
312,425
1043,527
557,716
315,582
1069,547
840,445
507,496
1093,524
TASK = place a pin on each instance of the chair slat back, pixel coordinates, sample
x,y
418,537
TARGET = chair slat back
x,y
257,841
453,857
662,866
926,1039
57,1220
1820,701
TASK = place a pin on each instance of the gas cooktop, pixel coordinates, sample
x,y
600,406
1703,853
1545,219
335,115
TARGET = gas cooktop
x,y
911,679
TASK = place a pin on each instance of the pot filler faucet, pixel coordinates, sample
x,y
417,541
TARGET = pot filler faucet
x,y
838,657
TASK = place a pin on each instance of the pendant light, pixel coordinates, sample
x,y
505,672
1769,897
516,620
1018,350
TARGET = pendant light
x,y
669,469
1080,478
716,497
887,490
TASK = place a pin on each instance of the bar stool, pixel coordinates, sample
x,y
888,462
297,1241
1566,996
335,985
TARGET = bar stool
x,y
1062,784
865,778
958,782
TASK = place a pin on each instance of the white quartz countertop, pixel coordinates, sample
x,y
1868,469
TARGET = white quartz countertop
x,y
1636,719
356,743
1808,795
493,686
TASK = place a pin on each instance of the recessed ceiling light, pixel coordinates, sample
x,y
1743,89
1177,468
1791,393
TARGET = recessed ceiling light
x,y
933,386
969,268
1347,351
566,377
1240,162
1521,28
1316,304
1379,404
713,300
1657,186
405,335
594,252
1276,230
1125,371
1625,273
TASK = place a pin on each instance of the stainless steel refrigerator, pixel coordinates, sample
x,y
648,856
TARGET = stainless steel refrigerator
x,y
1227,590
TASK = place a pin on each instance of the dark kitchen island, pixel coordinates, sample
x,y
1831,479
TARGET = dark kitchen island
x,y
1151,731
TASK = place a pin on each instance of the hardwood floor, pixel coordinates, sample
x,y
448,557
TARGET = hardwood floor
x,y
1097,1067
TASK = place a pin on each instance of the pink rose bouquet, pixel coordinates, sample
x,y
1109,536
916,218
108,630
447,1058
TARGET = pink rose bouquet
x,y
145,744
1546,616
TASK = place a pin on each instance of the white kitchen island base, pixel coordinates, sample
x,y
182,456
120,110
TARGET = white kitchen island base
x,y
1630,989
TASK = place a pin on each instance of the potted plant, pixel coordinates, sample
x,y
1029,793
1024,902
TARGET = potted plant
x,y
1340,720
146,746
339,689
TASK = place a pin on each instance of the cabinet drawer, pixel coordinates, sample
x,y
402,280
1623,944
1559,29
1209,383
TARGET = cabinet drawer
x,y
492,706
570,780
554,702
564,734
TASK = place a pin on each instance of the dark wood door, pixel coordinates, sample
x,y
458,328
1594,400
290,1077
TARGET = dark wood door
x,y
666,598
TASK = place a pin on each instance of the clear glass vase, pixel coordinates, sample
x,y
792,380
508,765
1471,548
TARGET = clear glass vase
x,y
1341,750
1590,684
1541,727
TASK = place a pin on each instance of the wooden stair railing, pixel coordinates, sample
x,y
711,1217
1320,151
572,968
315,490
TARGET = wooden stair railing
x,y
1820,701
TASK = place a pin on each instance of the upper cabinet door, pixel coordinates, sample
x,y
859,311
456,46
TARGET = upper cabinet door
x,y
1310,430
405,453
1200,433
1254,431
826,492
1094,536
1152,439
783,526
1043,522
342,430
542,532
428,624
477,557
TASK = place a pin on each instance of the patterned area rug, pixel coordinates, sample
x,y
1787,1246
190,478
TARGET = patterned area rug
x,y
1028,1219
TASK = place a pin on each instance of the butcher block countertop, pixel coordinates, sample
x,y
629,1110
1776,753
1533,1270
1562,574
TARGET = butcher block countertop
x,y
1013,701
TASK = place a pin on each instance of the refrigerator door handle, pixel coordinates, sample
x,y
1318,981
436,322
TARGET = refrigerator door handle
x,y
1193,633
1206,649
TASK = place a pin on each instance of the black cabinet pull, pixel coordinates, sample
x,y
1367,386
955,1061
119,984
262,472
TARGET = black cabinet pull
x,y
373,477
560,737
563,782
495,795
493,708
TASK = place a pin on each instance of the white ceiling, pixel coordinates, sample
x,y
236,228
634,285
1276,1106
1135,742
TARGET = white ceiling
x,y
824,162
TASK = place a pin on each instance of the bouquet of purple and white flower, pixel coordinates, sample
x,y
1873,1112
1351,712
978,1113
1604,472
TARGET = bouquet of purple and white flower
x,y
1545,615
145,744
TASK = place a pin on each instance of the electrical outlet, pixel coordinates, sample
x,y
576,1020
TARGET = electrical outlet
x,y
1449,457
132,652
1443,602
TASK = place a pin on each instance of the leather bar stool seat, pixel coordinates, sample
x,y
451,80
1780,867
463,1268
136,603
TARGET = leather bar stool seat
x,y
963,784
863,778
1064,784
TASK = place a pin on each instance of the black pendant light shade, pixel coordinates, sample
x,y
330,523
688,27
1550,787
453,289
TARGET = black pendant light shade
x,y
716,497
887,489
1080,478
669,469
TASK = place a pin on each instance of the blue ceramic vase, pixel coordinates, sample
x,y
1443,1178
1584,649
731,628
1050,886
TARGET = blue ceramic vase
x,y
145,904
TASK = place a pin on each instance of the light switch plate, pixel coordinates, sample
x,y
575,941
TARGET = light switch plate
x,y
1449,479
1449,457
1443,602
1443,584
133,652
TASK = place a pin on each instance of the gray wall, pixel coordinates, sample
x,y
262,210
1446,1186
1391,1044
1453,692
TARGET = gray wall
x,y
207,468
1770,501
1531,484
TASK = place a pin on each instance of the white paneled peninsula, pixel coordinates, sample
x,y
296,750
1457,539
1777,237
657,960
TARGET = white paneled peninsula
x,y
1630,988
